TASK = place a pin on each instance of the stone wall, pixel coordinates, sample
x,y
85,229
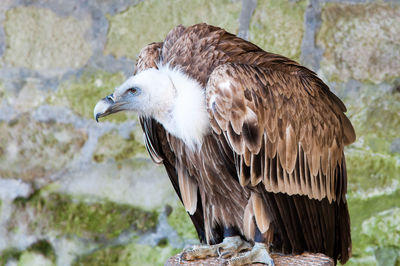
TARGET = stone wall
x,y
74,192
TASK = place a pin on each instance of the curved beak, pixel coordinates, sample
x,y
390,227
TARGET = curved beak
x,y
106,106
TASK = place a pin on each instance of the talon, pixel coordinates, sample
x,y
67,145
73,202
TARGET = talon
x,y
258,254
226,254
219,251
229,246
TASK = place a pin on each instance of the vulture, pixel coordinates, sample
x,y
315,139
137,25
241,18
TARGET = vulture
x,y
252,142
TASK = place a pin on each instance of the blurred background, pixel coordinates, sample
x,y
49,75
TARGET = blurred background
x,y
73,192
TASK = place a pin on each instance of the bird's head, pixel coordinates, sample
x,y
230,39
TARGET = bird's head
x,y
150,93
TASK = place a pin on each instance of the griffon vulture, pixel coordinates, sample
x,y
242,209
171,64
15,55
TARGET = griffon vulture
x,y
252,142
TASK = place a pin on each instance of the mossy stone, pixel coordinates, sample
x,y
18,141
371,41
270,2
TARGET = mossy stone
x,y
382,233
30,149
26,98
179,219
376,118
131,254
277,27
361,210
371,171
82,94
361,42
383,229
112,145
29,258
387,256
39,39
43,247
65,215
2,91
375,115
9,254
151,20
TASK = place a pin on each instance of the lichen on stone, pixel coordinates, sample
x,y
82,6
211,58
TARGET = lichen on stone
x,y
382,233
27,97
30,149
361,210
131,254
179,219
376,118
9,254
64,215
39,39
151,20
112,145
29,258
372,169
277,27
383,229
361,42
82,94
379,169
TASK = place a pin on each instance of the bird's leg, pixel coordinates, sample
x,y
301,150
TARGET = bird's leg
x,y
258,254
230,245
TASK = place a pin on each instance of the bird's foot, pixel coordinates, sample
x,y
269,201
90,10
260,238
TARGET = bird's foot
x,y
230,245
258,254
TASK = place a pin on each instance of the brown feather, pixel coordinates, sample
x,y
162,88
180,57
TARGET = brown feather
x,y
188,188
291,149
262,219
249,227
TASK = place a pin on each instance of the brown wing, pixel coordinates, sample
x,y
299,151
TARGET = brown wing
x,y
158,146
286,126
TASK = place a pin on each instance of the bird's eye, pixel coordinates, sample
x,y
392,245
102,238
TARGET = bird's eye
x,y
133,90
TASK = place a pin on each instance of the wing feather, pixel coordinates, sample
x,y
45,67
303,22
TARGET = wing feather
x,y
188,188
289,114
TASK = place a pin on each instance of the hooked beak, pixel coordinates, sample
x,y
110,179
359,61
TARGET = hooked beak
x,y
106,106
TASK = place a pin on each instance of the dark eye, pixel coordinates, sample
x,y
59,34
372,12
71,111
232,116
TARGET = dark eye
x,y
133,90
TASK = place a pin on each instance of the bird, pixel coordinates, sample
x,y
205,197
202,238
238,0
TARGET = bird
x,y
252,142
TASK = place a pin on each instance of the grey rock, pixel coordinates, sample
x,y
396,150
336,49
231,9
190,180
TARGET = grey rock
x,y
13,188
311,54
395,146
248,7
111,64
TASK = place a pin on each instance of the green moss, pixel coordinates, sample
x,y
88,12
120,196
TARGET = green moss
x,y
383,229
382,233
100,220
132,254
82,94
9,254
277,27
179,219
379,169
43,247
363,209
376,118
112,145
348,29
132,29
